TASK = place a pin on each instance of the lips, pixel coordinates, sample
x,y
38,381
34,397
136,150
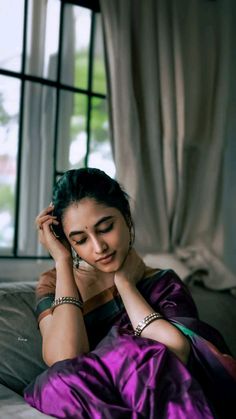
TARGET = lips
x,y
106,259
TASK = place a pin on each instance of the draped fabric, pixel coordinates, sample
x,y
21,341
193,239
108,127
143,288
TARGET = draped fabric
x,y
124,376
171,89
39,118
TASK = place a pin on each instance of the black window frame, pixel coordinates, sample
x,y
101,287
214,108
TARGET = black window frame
x,y
23,77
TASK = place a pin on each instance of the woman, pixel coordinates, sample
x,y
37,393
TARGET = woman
x,y
121,340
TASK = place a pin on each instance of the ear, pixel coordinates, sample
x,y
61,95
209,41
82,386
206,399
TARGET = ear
x,y
131,230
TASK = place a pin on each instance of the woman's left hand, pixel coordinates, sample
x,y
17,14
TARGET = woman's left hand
x,y
131,271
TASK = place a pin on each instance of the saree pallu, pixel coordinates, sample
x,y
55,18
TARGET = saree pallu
x,y
125,376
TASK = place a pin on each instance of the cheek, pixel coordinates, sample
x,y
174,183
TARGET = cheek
x,y
124,239
83,252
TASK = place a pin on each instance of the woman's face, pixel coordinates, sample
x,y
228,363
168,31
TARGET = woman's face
x,y
99,234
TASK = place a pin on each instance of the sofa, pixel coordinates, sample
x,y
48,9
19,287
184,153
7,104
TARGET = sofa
x,y
20,348
20,339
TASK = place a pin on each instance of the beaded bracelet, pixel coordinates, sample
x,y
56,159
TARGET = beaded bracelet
x,y
67,300
146,321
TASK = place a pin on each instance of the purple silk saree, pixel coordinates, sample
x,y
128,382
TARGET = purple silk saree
x,y
124,376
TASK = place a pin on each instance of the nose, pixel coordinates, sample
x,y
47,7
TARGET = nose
x,y
99,245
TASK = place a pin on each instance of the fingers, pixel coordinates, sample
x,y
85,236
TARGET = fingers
x,y
41,221
48,224
46,233
44,216
45,211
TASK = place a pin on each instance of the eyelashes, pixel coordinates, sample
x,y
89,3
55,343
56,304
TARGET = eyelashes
x,y
81,241
105,230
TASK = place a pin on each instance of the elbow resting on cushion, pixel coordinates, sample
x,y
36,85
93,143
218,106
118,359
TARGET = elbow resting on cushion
x,y
53,355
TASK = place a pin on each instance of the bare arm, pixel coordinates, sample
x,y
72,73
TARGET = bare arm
x,y
63,332
137,308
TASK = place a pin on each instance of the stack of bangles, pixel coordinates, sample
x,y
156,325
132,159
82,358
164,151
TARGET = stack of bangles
x,y
145,322
137,332
67,300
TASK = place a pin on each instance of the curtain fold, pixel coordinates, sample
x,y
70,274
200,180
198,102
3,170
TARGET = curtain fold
x,y
39,126
169,67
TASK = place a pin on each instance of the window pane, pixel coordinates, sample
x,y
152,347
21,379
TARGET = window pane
x,y
75,52
37,161
11,34
9,115
100,155
72,136
42,38
99,77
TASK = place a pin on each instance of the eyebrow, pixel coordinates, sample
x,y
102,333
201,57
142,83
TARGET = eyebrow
x,y
102,220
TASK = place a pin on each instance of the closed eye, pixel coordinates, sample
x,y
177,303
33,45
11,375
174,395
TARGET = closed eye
x,y
82,241
107,229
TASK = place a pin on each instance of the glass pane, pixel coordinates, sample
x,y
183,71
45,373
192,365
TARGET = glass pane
x,y
9,115
100,154
11,34
42,38
99,75
72,136
37,161
75,51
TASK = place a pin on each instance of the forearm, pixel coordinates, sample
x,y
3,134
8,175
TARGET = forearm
x,y
66,336
160,330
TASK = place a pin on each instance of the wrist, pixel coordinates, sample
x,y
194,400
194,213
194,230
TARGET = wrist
x,y
123,284
64,261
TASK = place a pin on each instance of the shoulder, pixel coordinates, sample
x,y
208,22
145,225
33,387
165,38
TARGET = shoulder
x,y
168,279
46,283
45,293
172,294
167,275
151,271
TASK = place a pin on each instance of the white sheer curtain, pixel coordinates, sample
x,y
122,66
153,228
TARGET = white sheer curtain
x,y
170,78
32,144
39,124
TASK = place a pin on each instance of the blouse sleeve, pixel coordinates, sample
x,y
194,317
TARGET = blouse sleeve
x,y
45,293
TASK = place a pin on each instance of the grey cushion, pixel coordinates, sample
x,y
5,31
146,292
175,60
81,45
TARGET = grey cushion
x,y
217,308
20,338
14,406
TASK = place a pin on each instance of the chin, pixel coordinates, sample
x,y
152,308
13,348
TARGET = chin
x,y
111,267
114,265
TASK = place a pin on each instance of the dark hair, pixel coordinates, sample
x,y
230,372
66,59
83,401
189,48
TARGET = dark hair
x,y
77,184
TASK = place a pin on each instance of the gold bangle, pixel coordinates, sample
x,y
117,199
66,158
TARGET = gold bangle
x,y
66,300
146,321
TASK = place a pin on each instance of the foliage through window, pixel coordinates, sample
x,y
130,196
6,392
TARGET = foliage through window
x,y
53,109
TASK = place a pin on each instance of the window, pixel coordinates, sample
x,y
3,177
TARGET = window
x,y
53,109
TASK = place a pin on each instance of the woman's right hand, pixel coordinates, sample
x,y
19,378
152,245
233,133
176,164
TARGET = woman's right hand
x,y
44,223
